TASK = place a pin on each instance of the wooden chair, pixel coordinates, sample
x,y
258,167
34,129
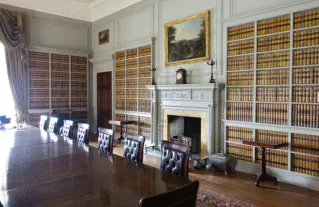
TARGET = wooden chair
x,y
83,133
133,147
174,158
67,128
43,124
105,140
184,196
53,124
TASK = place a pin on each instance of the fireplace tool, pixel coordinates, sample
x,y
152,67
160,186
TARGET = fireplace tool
x,y
211,63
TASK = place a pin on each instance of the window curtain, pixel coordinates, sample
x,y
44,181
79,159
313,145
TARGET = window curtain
x,y
12,36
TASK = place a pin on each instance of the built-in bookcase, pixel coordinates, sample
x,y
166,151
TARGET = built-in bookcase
x,y
133,71
57,81
272,90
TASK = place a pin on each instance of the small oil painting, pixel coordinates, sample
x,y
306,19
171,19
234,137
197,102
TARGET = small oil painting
x,y
187,40
104,37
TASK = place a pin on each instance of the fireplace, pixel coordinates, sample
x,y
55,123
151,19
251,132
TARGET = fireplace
x,y
186,126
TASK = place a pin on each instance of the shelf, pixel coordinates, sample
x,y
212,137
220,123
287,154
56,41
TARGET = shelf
x,y
78,81
274,34
60,63
300,153
240,86
306,103
233,71
239,40
60,97
232,142
38,79
47,70
273,51
78,64
39,61
306,28
242,55
305,66
38,88
79,73
59,89
239,101
306,47
39,97
78,89
60,80
278,68
283,85
306,84
272,102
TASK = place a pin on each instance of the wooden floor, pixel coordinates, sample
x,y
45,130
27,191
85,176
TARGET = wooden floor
x,y
241,186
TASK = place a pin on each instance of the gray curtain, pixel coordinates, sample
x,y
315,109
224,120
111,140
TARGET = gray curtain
x,y
12,35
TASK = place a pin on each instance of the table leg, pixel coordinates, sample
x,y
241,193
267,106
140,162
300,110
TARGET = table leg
x,y
263,174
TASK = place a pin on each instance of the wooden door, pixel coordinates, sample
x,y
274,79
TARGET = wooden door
x,y
104,99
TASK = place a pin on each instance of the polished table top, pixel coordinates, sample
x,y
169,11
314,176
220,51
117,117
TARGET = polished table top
x,y
38,168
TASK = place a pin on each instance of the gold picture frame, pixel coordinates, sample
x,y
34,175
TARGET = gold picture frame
x,y
104,37
205,16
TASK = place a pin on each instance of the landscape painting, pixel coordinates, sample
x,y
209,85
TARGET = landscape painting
x,y
187,40
104,37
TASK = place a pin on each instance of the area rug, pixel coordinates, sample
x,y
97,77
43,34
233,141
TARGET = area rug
x,y
208,198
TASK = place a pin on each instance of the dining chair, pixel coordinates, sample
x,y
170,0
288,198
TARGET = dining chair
x,y
53,124
105,140
43,124
175,158
83,133
133,147
184,196
67,128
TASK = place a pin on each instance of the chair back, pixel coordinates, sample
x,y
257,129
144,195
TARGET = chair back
x,y
105,140
53,124
66,129
184,196
43,124
174,158
83,133
133,147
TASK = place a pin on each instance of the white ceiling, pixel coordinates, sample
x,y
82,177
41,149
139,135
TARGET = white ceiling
x,y
87,10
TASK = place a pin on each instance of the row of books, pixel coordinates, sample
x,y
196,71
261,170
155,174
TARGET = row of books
x,y
272,77
305,115
305,94
33,74
79,77
55,58
272,137
132,53
78,60
270,43
59,76
131,93
145,122
59,93
120,94
39,103
41,84
60,102
79,102
60,67
120,55
305,143
145,62
306,75
131,105
142,83
79,85
131,83
120,74
145,51
241,32
79,68
60,84
305,164
38,93
240,152
144,93
274,25
120,65
38,56
238,134
144,106
308,18
274,158
273,60
144,72
306,57
272,94
131,73
39,66
240,47
131,63
239,94
132,129
272,113
145,132
240,78
306,38
239,111
240,63
120,84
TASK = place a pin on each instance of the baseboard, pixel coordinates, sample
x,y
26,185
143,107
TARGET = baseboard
x,y
298,179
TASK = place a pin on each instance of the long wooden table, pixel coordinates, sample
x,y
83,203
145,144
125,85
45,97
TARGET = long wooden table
x,y
38,168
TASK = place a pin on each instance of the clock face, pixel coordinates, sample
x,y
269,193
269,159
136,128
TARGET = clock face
x,y
179,76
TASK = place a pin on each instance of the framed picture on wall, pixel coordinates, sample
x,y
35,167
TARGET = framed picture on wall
x,y
187,40
104,36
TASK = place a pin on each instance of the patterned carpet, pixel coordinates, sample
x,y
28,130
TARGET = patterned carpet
x,y
208,198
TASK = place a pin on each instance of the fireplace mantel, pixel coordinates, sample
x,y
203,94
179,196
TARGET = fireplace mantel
x,y
194,100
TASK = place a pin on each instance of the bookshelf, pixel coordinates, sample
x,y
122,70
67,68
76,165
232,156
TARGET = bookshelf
x,y
273,81
133,99
57,81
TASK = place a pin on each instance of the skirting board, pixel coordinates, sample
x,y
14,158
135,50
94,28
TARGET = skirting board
x,y
285,176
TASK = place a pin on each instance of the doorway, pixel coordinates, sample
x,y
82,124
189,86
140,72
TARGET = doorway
x,y
104,99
